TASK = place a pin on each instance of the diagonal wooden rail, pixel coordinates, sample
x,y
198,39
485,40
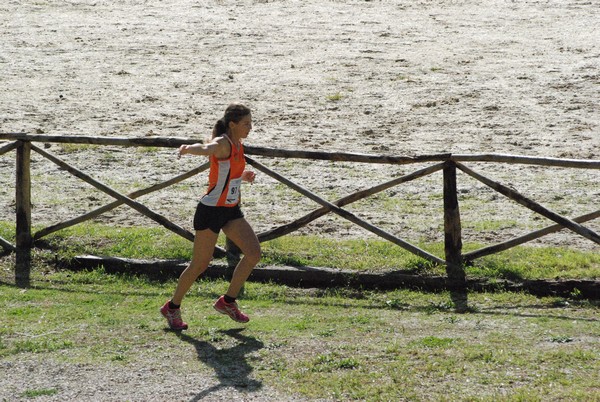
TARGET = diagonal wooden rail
x,y
6,245
496,248
346,214
108,207
121,199
115,194
9,147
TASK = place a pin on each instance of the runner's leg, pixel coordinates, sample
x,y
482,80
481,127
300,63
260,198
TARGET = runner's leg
x,y
204,245
242,234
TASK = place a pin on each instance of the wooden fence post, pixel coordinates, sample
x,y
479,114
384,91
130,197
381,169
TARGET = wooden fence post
x,y
23,215
452,240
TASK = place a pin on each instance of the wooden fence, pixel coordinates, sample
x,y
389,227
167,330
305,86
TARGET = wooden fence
x,y
454,259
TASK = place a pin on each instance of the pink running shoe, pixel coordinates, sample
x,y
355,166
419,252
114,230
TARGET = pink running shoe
x,y
173,316
231,309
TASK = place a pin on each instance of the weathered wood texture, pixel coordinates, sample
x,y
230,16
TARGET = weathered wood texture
x,y
123,198
452,225
173,142
6,245
453,240
8,147
312,277
169,142
454,259
23,214
115,194
528,160
344,156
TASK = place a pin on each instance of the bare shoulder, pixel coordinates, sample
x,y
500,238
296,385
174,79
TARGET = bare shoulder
x,y
223,148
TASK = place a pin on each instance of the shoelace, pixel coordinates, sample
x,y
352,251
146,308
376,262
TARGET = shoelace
x,y
174,314
235,311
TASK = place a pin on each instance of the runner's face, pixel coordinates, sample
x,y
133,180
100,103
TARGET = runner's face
x,y
242,128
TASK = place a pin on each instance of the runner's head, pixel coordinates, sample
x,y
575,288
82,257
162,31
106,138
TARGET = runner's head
x,y
237,119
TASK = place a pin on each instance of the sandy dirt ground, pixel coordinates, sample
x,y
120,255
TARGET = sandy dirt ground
x,y
379,77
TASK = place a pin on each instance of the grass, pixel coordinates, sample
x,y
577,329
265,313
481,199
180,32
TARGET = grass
x,y
34,393
336,97
539,263
335,344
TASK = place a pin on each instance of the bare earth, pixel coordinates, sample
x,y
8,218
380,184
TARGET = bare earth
x,y
380,77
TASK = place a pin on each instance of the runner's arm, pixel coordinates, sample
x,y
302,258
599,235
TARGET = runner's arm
x,y
216,147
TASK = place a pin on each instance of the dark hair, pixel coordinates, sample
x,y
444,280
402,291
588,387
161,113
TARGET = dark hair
x,y
234,113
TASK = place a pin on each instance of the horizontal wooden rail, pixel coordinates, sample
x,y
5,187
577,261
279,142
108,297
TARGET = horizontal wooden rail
x,y
344,156
528,160
174,142
167,142
395,160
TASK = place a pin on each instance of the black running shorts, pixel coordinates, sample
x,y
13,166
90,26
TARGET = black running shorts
x,y
214,218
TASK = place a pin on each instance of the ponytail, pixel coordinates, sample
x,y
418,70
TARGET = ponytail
x,y
220,128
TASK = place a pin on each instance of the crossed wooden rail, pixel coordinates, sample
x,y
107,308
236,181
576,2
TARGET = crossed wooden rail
x,y
448,163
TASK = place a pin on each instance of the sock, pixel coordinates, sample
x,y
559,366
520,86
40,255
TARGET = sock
x,y
229,299
173,305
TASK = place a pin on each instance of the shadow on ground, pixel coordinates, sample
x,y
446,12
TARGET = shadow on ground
x,y
231,365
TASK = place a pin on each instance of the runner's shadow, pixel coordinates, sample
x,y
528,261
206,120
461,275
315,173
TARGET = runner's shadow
x,y
230,364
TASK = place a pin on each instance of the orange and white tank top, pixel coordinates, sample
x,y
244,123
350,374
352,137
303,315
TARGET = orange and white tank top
x,y
225,178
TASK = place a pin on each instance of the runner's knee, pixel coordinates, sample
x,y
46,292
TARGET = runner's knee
x,y
196,268
253,254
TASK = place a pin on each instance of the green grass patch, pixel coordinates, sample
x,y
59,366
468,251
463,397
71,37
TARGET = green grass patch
x,y
538,263
34,393
7,231
336,97
356,255
127,242
435,342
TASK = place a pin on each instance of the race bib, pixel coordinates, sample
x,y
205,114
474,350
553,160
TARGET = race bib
x,y
233,193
